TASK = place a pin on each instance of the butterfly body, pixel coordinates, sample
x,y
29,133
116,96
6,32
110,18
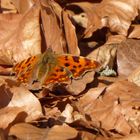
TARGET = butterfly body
x,y
49,68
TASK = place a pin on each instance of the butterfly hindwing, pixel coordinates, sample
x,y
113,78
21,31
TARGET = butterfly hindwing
x,y
24,70
57,75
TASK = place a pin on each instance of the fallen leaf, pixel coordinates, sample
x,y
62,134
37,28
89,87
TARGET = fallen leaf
x,y
128,56
22,6
52,27
7,6
13,96
105,54
63,132
67,113
108,13
26,131
79,85
115,108
134,31
70,33
21,39
129,137
135,76
9,114
92,20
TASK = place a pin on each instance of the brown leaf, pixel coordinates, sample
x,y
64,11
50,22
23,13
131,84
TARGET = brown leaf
x,y
128,56
7,6
13,96
70,35
20,36
9,114
134,31
105,54
63,132
135,76
115,108
79,85
129,137
26,131
52,26
22,6
93,23
116,15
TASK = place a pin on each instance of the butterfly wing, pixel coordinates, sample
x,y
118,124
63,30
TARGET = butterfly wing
x,y
78,65
25,70
57,75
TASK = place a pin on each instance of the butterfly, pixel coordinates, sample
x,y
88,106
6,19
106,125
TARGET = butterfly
x,y
50,68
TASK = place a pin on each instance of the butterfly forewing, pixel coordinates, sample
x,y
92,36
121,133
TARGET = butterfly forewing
x,y
78,65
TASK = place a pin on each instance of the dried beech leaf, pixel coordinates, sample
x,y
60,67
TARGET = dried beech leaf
x,y
67,113
77,86
93,21
21,39
63,132
13,96
116,15
105,55
129,137
26,131
7,6
135,76
128,56
52,27
81,19
9,114
134,31
22,5
115,39
70,33
115,108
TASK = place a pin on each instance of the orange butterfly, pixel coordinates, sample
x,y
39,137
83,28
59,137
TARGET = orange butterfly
x,y
49,68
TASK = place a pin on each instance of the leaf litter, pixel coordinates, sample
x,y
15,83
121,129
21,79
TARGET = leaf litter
x,y
92,107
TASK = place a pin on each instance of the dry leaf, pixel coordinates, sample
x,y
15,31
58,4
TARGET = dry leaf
x,y
116,15
128,56
105,55
70,35
63,132
79,85
22,5
26,131
67,113
135,76
8,7
21,39
93,21
130,137
134,31
13,96
9,114
115,108
52,27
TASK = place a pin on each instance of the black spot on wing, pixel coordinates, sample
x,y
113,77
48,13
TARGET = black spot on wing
x,y
27,61
66,58
76,59
67,64
73,70
87,62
